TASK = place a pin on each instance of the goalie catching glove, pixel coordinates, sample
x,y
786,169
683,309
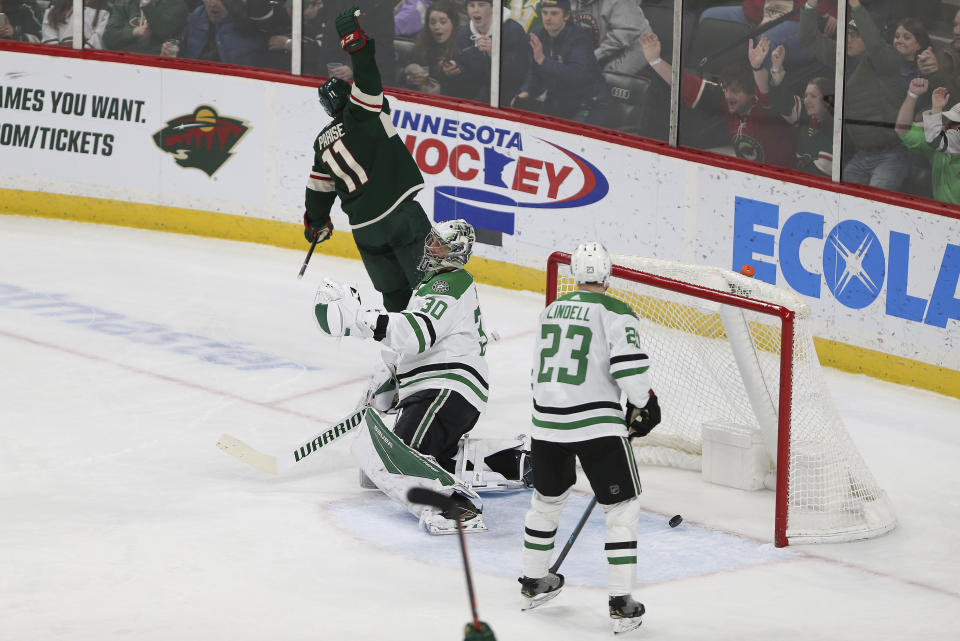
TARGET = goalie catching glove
x,y
640,420
338,313
352,37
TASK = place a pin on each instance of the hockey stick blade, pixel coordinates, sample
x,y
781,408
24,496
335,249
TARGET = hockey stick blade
x,y
279,464
235,447
423,496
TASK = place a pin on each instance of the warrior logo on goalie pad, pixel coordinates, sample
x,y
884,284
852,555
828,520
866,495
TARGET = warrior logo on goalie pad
x,y
330,435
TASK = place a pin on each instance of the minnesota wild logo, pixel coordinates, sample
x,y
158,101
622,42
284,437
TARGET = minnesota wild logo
x,y
202,140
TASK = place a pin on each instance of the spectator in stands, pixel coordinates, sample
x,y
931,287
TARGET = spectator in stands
x,y
377,18
409,17
945,167
815,136
474,45
21,20
216,31
759,12
948,59
57,28
757,131
564,79
274,20
812,112
616,27
871,98
917,57
141,26
432,68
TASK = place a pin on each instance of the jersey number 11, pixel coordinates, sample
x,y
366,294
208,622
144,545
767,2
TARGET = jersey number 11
x,y
352,163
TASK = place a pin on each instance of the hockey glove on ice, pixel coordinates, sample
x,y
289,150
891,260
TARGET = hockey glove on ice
x,y
640,420
311,230
352,37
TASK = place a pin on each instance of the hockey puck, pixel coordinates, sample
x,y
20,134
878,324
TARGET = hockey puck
x,y
676,520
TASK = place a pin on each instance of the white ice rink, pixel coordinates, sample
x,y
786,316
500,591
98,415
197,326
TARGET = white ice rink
x,y
126,353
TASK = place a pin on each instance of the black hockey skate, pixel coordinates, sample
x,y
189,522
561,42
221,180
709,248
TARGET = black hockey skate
x,y
538,591
626,613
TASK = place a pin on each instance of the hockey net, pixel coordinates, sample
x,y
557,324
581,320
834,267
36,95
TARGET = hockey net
x,y
728,349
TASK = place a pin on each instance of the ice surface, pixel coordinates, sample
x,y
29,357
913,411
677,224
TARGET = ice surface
x,y
126,353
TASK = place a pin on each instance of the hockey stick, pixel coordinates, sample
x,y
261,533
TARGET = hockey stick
x,y
313,245
278,464
424,496
573,537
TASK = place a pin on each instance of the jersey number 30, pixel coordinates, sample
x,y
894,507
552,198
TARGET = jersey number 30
x,y
575,334
352,163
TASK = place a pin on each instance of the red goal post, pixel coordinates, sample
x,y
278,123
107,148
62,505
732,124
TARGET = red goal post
x,y
709,308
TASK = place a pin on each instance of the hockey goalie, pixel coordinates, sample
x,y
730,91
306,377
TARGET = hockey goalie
x,y
434,378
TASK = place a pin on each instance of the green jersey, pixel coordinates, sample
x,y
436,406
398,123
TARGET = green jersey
x,y
360,157
944,167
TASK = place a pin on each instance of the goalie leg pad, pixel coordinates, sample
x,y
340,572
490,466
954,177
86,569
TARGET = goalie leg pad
x,y
621,545
539,531
395,468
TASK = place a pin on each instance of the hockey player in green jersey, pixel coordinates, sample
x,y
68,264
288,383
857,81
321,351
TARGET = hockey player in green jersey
x,y
441,375
587,353
360,158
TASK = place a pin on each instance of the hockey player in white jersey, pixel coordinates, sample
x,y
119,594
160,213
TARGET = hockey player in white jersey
x,y
587,353
441,376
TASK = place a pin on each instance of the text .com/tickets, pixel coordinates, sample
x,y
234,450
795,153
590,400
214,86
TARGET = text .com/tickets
x,y
855,261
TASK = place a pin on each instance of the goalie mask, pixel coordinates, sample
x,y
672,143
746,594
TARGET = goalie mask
x,y
591,263
334,94
448,245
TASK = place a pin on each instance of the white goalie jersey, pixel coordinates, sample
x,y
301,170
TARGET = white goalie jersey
x,y
441,340
587,351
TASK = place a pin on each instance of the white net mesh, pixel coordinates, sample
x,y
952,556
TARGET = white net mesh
x,y
712,362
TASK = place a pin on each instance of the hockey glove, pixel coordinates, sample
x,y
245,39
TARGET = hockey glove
x,y
337,309
311,231
640,420
352,37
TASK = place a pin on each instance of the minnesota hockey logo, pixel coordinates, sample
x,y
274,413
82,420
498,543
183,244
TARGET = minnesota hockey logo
x,y
202,140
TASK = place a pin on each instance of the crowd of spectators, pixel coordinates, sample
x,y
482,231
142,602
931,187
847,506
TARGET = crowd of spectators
x,y
763,93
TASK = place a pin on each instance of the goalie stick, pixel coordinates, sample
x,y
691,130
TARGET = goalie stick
x,y
278,464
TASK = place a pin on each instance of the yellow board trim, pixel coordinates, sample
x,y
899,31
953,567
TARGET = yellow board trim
x,y
850,358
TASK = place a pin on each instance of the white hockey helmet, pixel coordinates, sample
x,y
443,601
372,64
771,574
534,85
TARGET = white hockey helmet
x,y
591,263
448,245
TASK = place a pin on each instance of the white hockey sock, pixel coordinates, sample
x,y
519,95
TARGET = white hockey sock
x,y
621,545
540,528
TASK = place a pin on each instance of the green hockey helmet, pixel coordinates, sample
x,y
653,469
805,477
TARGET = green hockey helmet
x,y
334,94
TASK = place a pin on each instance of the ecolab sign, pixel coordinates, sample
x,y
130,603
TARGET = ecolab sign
x,y
496,170
856,261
